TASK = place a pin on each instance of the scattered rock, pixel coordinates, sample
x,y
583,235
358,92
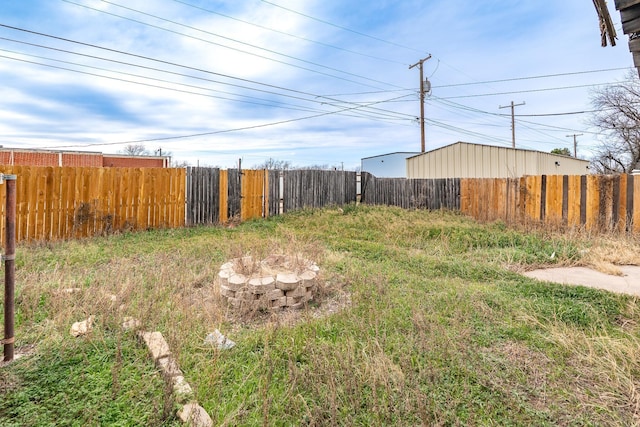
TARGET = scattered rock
x,y
82,328
181,389
156,344
220,341
129,323
195,415
169,367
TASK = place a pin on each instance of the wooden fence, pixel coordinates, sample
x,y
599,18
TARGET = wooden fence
x,y
593,202
215,195
65,202
317,188
410,193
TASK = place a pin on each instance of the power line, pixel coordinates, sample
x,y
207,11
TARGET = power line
x,y
161,61
378,117
272,103
289,34
214,132
527,91
513,79
235,41
343,28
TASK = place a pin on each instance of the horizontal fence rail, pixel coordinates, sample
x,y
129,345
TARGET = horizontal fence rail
x,y
65,202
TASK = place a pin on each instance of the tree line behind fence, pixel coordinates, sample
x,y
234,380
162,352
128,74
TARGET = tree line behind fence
x,y
64,202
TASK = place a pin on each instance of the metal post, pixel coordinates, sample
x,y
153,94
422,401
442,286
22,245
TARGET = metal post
x,y
9,268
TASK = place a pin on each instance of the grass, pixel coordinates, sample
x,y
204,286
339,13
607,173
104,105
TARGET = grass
x,y
422,318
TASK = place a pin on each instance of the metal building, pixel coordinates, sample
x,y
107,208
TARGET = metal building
x,y
465,160
392,165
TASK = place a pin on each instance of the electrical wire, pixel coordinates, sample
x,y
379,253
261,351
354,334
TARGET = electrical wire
x,y
262,125
529,91
343,28
513,79
164,62
262,103
289,34
235,41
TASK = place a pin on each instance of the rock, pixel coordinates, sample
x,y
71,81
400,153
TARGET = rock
x,y
181,389
237,282
227,266
82,328
219,341
280,302
226,292
169,367
194,415
308,278
223,277
156,344
129,323
274,294
287,281
300,291
292,301
261,285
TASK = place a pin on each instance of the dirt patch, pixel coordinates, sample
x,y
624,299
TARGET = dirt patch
x,y
19,352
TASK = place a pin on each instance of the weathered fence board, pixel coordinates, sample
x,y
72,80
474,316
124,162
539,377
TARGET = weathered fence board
x,y
273,190
414,193
595,202
64,202
317,189
203,201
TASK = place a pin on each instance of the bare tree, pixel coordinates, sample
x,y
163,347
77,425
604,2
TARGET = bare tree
x,y
273,164
136,150
618,118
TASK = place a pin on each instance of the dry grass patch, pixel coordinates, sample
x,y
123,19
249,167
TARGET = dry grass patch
x,y
605,254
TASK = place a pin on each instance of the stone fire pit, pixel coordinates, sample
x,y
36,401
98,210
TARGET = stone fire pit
x,y
274,283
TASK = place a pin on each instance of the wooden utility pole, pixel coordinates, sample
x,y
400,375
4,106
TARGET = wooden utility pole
x,y
422,93
575,143
513,121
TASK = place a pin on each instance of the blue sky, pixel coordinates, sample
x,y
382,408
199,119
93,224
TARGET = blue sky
x,y
312,82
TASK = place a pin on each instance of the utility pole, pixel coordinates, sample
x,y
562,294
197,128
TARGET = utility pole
x,y
513,121
422,91
575,143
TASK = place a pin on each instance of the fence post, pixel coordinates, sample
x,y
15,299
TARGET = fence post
x,y
9,267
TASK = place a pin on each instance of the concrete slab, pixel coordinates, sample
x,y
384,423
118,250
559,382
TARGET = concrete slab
x,y
627,284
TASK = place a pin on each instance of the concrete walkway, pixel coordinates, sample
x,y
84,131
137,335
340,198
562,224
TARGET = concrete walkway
x,y
627,284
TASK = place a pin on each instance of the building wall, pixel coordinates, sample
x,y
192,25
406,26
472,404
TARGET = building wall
x,y
82,159
392,165
49,158
22,157
115,161
463,160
